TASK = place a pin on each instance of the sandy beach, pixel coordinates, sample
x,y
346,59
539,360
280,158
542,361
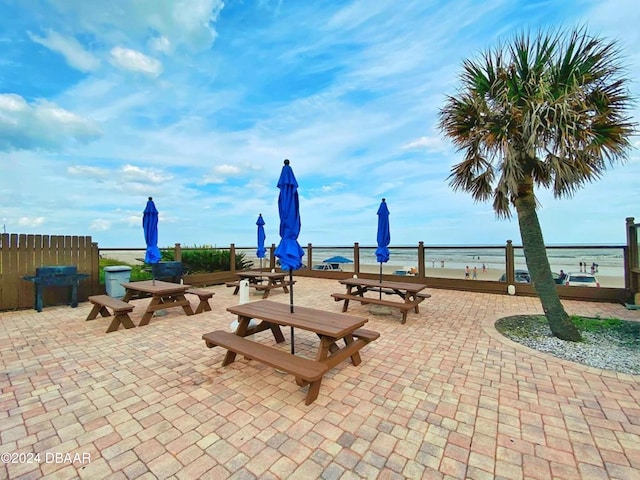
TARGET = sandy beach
x,y
490,274
131,257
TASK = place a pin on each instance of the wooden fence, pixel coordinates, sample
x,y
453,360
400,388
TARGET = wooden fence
x,y
21,254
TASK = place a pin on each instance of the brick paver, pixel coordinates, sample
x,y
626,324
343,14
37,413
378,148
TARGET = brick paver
x,y
443,396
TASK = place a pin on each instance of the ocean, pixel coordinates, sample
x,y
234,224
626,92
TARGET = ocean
x,y
610,260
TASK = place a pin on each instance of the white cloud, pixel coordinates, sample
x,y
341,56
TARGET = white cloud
x,y
161,44
333,187
429,143
185,23
132,172
83,170
100,225
227,169
127,59
73,52
30,222
41,125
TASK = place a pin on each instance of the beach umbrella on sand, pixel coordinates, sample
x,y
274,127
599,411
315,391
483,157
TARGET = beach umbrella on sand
x,y
337,259
384,237
261,238
289,251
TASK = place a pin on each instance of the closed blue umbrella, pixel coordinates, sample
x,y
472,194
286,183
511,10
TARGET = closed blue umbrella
x,y
150,227
384,237
260,252
289,251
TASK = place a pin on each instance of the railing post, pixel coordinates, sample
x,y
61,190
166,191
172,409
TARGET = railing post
x,y
232,257
177,252
421,270
95,269
509,263
356,258
632,260
272,257
309,256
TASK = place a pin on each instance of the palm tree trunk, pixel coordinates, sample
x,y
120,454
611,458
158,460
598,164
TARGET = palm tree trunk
x,y
535,253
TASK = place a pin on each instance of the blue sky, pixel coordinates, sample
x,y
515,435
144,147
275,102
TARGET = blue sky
x,y
197,103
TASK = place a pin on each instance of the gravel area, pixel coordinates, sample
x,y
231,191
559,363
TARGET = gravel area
x,y
610,350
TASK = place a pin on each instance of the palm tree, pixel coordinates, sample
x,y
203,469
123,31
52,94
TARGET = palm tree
x,y
549,111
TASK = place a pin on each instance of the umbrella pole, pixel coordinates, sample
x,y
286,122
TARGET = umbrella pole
x,y
293,345
380,280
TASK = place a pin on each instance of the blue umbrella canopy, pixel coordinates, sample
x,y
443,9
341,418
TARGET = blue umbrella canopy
x,y
384,235
289,251
261,237
150,227
337,259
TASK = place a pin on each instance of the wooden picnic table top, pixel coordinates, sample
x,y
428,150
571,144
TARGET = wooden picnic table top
x,y
331,324
156,287
370,283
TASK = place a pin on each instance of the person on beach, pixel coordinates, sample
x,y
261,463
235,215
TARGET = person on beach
x,y
484,268
466,273
562,275
475,273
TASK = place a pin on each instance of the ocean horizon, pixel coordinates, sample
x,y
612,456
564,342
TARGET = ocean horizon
x,y
609,260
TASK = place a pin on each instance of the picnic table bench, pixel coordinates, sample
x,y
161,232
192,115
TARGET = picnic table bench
x,y
306,371
203,296
411,293
262,281
328,326
120,309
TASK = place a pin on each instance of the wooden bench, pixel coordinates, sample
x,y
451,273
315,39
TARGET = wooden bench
x,y
403,307
266,288
366,335
204,296
120,309
306,371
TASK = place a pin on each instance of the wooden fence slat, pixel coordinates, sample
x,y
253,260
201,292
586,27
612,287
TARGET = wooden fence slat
x,y
22,254
4,268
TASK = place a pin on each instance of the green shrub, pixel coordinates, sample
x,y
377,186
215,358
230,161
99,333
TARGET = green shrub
x,y
207,259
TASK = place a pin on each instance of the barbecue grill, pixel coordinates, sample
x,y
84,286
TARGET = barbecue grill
x,y
56,276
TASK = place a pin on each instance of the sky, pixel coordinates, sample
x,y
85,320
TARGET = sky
x,y
198,102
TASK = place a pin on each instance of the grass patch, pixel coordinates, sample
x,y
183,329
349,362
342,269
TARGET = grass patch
x,y
609,343
526,325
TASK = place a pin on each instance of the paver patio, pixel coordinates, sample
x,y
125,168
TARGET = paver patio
x,y
443,396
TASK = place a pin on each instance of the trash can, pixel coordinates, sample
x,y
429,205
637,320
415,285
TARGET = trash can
x,y
113,277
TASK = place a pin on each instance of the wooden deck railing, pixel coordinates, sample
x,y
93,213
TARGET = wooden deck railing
x,y
21,254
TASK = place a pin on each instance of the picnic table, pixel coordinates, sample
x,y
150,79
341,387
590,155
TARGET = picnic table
x,y
411,294
164,295
264,281
330,328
